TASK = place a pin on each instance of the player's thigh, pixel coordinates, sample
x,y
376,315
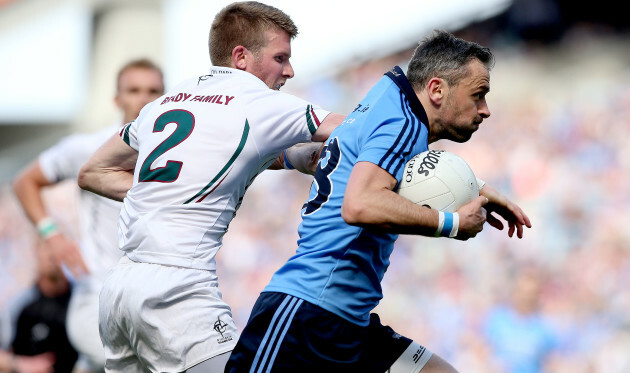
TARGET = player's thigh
x,y
215,364
385,350
119,354
288,334
172,318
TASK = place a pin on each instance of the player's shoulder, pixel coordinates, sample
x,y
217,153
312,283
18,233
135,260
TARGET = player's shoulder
x,y
88,139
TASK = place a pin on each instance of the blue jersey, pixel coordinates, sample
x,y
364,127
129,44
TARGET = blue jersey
x,y
338,266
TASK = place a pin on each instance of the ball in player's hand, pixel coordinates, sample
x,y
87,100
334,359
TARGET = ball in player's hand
x,y
438,179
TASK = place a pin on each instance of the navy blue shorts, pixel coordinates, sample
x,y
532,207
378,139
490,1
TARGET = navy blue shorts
x,y
288,334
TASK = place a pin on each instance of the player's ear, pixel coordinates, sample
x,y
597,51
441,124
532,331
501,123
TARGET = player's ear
x,y
239,57
436,90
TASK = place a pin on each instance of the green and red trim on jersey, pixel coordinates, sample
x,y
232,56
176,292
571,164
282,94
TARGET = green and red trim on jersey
x,y
124,133
311,119
202,193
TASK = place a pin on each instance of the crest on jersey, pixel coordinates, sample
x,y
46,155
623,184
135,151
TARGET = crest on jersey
x,y
221,327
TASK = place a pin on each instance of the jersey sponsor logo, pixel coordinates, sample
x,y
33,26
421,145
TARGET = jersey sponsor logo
x,y
218,72
212,99
361,109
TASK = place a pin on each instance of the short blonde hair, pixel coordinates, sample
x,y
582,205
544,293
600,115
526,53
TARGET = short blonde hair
x,y
245,23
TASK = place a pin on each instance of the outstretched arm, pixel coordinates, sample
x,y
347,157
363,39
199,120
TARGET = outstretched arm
x,y
508,210
109,172
304,156
329,123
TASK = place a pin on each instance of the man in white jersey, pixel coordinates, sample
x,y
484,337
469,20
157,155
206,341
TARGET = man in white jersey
x,y
181,170
139,82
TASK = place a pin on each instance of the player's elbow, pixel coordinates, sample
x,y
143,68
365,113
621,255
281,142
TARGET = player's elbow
x,y
23,183
18,184
353,212
85,178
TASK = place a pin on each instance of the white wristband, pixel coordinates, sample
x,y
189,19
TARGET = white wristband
x,y
448,224
47,228
480,184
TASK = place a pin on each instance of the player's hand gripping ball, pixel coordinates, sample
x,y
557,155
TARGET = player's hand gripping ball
x,y
438,179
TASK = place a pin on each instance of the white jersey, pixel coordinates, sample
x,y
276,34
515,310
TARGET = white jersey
x,y
98,216
199,147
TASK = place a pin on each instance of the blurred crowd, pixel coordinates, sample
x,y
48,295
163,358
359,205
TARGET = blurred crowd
x,y
555,301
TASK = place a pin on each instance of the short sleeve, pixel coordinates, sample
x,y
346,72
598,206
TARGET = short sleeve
x,y
283,120
129,134
64,160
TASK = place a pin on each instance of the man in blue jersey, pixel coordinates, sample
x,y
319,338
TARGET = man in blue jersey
x,y
315,314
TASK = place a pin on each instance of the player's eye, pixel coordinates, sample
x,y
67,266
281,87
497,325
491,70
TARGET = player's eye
x,y
280,59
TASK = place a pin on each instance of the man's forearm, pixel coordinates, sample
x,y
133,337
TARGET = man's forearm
x,y
28,188
110,184
109,172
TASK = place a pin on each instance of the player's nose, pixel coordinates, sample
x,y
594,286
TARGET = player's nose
x,y
288,71
483,109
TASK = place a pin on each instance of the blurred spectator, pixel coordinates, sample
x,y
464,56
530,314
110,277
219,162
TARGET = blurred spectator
x,y
13,363
37,322
519,336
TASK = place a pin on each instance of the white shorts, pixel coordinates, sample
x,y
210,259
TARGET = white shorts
x,y
162,318
82,325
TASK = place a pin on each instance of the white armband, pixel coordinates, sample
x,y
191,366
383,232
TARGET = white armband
x,y
301,156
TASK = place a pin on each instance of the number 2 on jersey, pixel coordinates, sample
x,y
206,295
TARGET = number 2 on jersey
x,y
185,122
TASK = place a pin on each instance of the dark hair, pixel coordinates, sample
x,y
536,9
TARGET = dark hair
x,y
445,56
245,23
142,63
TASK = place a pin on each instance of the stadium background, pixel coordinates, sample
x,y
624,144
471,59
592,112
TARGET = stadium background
x,y
555,143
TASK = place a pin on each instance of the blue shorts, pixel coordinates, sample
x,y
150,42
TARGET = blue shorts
x,y
288,334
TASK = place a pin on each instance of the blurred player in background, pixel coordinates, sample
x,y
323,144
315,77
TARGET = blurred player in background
x,y
182,169
33,324
36,319
315,314
522,341
139,82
